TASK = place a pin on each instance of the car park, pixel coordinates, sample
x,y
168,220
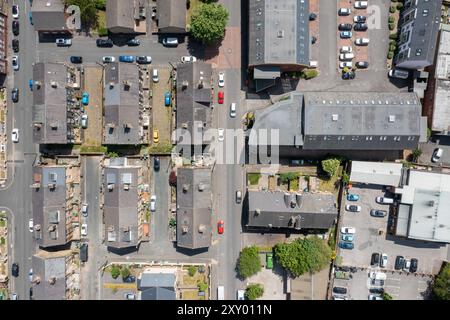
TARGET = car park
x,y
15,45
108,59
348,230
15,135
233,110
143,59
345,64
347,237
383,260
84,230
85,98
155,136
399,262
362,41
126,59
345,27
76,59
359,19
84,209
414,264
362,64
352,197
15,63
346,34
437,154
15,11
361,4
346,245
346,56
15,95
167,98
156,163
170,42
378,213
15,269
15,28
220,227
360,27
153,203
220,97
344,11
346,49
63,42
155,75
188,59
407,265
133,42
221,134
105,43
353,208
384,200
221,79
375,259
84,121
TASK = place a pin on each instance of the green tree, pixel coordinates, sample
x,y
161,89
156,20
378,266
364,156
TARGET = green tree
x,y
331,166
192,270
441,287
288,177
303,255
254,291
202,287
387,296
309,73
248,262
125,272
345,178
115,272
208,23
416,154
172,223
88,11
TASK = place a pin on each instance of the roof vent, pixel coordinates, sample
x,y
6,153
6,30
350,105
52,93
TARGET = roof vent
x,y
201,187
54,84
280,34
184,84
392,118
185,229
431,203
184,125
257,212
186,188
202,228
335,117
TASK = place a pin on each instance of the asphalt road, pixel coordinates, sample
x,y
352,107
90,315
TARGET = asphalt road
x,y
160,217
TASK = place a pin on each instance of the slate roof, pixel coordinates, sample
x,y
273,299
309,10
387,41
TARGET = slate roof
x,y
171,16
121,15
157,286
49,15
51,272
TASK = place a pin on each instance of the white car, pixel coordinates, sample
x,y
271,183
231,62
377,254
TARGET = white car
x,y
30,225
30,275
345,64
153,203
221,79
15,135
346,49
384,200
361,4
15,11
378,275
188,59
61,42
344,11
144,59
348,230
233,110
15,62
84,209
346,56
84,121
374,297
107,59
384,259
362,41
129,296
221,134
240,295
84,230
14,296
437,154
353,208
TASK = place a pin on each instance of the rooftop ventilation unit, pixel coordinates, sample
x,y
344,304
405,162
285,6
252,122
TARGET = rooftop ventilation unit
x,y
185,188
280,34
392,118
185,229
201,187
111,186
335,117
202,228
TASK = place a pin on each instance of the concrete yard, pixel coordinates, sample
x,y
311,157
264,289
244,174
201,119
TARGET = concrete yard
x,y
93,77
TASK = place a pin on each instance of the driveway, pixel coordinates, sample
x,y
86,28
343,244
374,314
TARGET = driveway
x,y
93,78
272,282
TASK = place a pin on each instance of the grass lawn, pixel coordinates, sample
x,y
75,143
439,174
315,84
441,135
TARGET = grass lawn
x,y
253,178
191,295
95,149
194,4
331,238
101,22
293,185
192,281
328,185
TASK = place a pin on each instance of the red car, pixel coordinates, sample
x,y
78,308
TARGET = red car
x,y
221,97
220,226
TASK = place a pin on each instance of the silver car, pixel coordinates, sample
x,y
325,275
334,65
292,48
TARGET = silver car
x,y
15,62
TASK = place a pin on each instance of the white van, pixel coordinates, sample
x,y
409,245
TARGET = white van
x,y
346,56
399,73
170,42
378,276
155,76
220,293
362,41
384,200
233,110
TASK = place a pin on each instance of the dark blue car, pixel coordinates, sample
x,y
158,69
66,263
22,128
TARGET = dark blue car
x,y
126,58
346,245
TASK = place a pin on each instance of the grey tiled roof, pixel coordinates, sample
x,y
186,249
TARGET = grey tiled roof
x,y
171,16
51,272
48,15
121,14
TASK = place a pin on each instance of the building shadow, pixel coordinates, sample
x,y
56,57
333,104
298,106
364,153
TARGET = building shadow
x,y
123,251
189,252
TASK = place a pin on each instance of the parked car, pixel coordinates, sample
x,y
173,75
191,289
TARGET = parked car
x,y
15,135
399,262
30,84
375,260
374,297
220,97
344,11
348,75
269,260
84,252
143,59
15,45
153,203
155,75
361,4
221,134
346,49
353,208
167,99
30,276
14,296
105,43
221,79
15,269
133,42
155,136
360,27
345,64
362,41
63,42
378,213
126,58
84,230
156,163
84,121
437,154
359,19
170,42
383,261
15,95
312,16
233,110
107,59
347,237
220,227
346,56
346,34
15,11
30,17
129,279
129,296
399,73
377,275
84,209
340,290
76,59
15,27
345,27
85,98
238,196
348,230
407,265
376,290
346,245
241,294
414,264
384,200
352,197
362,64
15,63
188,59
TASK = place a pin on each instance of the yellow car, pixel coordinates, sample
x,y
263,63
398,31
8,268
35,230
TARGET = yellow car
x,y
155,136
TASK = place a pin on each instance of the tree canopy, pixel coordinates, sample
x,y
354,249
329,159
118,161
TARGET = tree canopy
x,y
441,287
331,166
254,291
208,22
303,255
88,11
248,262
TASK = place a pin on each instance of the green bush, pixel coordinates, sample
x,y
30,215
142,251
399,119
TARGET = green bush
x,y
392,9
390,55
102,32
289,176
399,6
391,26
248,262
393,36
392,48
202,287
254,291
441,286
125,273
391,19
309,73
331,166
115,272
192,270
